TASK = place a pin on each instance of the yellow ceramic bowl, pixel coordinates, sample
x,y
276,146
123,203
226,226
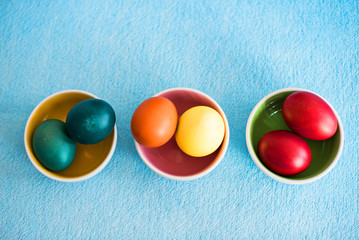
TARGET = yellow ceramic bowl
x,y
89,159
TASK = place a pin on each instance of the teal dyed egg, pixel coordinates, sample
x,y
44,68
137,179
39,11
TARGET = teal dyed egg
x,y
90,121
52,146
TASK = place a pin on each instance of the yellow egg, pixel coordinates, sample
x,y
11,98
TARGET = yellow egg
x,y
200,131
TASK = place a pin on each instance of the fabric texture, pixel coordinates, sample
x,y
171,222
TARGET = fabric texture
x,y
237,52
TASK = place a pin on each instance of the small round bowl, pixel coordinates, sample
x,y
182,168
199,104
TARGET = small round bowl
x,y
89,159
267,116
168,160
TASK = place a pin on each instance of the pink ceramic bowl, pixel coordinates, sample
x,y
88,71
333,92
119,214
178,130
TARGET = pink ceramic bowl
x,y
168,160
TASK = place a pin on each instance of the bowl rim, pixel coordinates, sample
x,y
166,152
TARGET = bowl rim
x,y
206,171
70,179
267,171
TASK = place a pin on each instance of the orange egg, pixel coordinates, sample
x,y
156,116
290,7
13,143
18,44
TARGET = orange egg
x,y
154,122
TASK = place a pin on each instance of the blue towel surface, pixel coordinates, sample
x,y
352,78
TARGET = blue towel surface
x,y
126,51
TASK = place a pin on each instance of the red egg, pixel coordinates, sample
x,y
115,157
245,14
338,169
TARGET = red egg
x,y
309,116
284,152
154,122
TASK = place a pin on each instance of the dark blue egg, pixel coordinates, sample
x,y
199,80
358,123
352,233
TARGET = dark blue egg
x,y
90,121
52,146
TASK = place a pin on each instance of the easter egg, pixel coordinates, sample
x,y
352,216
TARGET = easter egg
x,y
200,131
154,122
284,152
52,146
309,116
90,121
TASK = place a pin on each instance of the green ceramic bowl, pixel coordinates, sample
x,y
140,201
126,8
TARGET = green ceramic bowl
x,y
267,116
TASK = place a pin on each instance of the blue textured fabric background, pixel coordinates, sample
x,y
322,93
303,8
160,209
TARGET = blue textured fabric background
x,y
126,51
